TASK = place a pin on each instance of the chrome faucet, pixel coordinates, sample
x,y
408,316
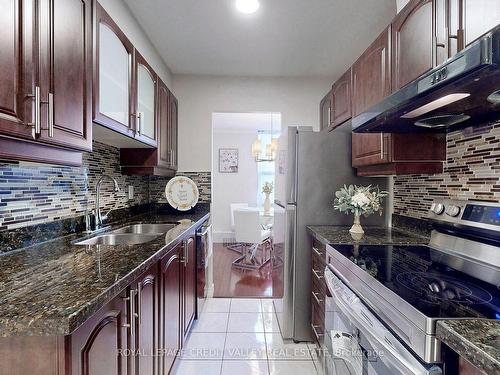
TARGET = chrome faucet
x,y
99,218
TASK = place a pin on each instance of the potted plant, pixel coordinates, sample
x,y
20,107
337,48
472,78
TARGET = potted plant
x,y
359,200
267,189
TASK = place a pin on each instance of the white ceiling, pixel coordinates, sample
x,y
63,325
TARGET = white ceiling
x,y
284,38
225,122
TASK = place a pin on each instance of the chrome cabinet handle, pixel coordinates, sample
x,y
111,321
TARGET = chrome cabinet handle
x,y
139,123
317,252
318,335
51,115
133,314
139,303
186,251
36,121
316,298
381,145
317,274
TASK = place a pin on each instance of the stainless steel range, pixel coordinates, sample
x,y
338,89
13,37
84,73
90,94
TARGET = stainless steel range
x,y
390,297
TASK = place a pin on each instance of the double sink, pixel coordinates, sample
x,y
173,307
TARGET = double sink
x,y
130,235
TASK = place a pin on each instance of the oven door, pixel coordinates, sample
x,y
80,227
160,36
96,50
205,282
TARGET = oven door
x,y
381,352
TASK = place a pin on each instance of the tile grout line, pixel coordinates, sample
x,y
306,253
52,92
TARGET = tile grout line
x,y
225,337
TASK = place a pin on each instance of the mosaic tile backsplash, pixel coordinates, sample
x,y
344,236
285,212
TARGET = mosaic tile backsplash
x,y
33,193
202,179
471,171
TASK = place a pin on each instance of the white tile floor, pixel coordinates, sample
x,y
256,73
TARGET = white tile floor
x,y
242,336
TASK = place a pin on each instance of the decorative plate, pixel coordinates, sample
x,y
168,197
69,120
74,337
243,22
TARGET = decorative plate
x,y
182,193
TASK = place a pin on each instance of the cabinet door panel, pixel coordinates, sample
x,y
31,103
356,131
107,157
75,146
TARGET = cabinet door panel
x,y
341,102
16,68
164,127
113,76
66,75
479,17
325,108
98,347
171,308
174,113
145,101
412,42
370,149
372,75
147,323
189,283
113,73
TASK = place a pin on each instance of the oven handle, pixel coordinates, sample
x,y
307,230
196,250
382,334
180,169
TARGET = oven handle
x,y
365,324
203,232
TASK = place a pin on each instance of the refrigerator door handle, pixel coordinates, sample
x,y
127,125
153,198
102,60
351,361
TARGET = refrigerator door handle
x,y
289,273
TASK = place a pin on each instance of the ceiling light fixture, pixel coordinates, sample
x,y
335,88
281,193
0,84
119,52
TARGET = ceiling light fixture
x,y
247,6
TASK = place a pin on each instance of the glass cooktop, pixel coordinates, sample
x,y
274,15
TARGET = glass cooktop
x,y
436,290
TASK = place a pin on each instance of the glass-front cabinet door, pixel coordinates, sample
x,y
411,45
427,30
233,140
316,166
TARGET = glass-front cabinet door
x,y
113,76
145,106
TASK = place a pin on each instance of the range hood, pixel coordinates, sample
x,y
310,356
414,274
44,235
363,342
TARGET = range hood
x,y
463,91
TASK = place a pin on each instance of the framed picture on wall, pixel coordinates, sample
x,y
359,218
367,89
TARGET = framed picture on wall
x,y
228,160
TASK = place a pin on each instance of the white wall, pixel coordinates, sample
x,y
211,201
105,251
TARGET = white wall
x,y
229,188
199,96
121,14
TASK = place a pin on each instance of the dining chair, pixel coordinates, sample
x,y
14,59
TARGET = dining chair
x,y
234,245
249,232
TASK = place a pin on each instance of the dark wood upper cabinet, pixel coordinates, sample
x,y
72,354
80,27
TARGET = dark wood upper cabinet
x,y
170,312
325,109
145,95
341,100
189,283
66,73
391,154
162,160
478,17
46,90
371,74
174,126
113,97
17,74
412,42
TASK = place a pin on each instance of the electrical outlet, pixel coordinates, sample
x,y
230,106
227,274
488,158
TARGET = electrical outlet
x,y
130,192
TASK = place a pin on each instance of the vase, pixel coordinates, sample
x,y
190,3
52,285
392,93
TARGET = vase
x,y
267,204
356,228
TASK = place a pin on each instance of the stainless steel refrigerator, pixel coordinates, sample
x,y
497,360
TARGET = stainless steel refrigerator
x,y
310,167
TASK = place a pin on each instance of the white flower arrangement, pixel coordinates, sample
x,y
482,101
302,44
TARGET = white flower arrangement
x,y
359,200
267,188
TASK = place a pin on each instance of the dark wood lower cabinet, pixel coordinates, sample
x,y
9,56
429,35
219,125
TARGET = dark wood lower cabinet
x,y
100,345
318,290
146,343
140,332
170,324
189,263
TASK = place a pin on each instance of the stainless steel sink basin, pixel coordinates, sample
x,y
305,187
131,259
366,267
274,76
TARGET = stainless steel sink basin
x,y
146,228
118,239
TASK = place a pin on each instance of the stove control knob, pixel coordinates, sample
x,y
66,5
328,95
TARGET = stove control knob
x,y
437,208
453,211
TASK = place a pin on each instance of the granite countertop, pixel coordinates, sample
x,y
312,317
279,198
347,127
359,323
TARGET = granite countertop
x,y
328,234
476,340
53,287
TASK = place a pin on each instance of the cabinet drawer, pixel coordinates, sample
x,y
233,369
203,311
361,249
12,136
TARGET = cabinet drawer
x,y
318,269
318,250
317,322
318,293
